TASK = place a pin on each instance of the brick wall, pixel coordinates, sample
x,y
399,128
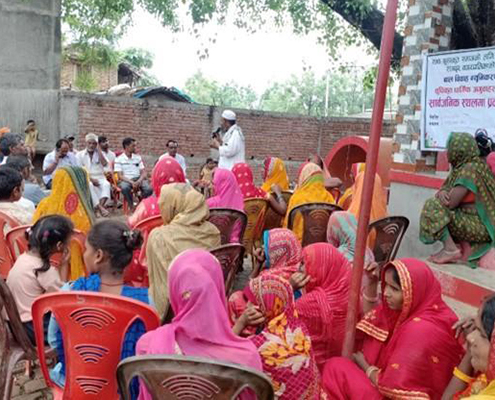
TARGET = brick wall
x,y
105,78
289,137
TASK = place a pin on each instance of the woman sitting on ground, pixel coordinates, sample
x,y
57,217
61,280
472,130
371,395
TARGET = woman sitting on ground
x,y
463,210
71,198
479,359
283,343
200,327
408,348
326,279
274,173
184,214
245,179
342,233
32,274
310,189
109,249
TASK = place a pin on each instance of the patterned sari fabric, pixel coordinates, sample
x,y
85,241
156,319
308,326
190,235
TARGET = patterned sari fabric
x,y
185,226
71,198
200,327
284,344
310,189
414,348
474,225
245,179
227,192
166,171
342,233
283,254
323,306
275,174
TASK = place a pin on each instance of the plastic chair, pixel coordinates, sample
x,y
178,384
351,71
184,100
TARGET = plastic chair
x,y
315,221
15,345
230,223
179,377
136,273
389,232
93,327
77,237
230,257
273,219
6,261
255,209
16,240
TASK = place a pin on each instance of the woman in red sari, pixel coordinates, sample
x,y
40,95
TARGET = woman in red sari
x,y
408,346
284,343
166,171
323,305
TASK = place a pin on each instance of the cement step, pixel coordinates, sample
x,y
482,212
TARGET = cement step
x,y
461,309
464,284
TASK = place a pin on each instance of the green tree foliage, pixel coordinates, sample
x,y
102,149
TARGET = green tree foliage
x,y
304,94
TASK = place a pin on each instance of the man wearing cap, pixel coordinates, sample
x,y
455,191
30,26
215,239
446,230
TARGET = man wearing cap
x,y
231,147
93,160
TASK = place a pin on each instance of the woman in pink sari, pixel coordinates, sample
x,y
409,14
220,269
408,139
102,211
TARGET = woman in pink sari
x,y
201,326
227,192
281,255
408,346
166,171
323,305
284,343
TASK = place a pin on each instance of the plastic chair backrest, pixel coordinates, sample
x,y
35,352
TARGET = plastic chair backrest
x,y
179,377
6,261
146,226
255,210
389,233
315,221
229,222
230,257
79,238
16,240
273,219
93,327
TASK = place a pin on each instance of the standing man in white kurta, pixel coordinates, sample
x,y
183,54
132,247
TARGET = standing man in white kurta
x,y
232,147
93,160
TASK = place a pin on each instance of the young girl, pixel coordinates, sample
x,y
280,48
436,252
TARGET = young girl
x,y
109,248
32,275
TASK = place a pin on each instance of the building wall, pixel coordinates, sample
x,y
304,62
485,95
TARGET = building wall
x,y
290,137
105,78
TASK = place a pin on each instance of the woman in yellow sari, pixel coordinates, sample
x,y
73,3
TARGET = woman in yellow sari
x,y
71,198
275,174
310,189
184,213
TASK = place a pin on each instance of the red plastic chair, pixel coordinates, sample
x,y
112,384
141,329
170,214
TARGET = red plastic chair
x,y
6,261
77,237
93,327
136,274
16,240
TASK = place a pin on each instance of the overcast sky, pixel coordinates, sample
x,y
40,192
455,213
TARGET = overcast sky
x,y
248,59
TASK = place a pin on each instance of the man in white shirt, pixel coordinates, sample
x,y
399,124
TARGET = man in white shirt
x,y
60,157
109,154
93,160
231,147
172,147
12,144
132,174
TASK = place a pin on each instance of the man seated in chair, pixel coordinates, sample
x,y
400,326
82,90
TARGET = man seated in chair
x,y
131,172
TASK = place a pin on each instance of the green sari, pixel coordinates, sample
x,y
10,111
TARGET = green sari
x,y
476,226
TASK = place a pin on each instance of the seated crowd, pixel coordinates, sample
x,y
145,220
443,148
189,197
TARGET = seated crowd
x,y
289,319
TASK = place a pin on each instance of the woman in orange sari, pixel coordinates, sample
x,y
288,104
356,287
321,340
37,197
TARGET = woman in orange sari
x,y
310,189
275,174
407,346
346,198
71,198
